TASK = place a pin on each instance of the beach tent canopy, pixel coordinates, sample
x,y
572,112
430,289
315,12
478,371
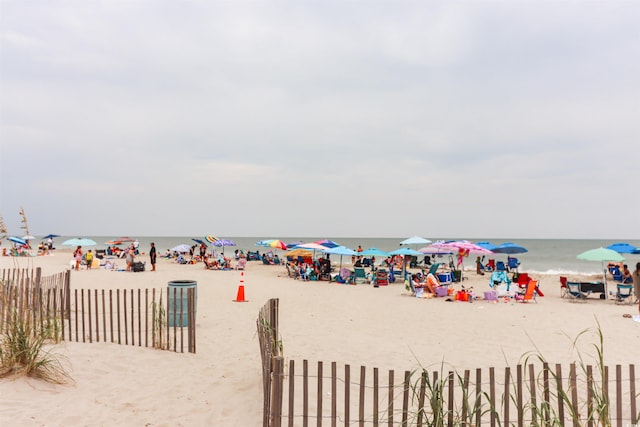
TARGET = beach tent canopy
x,y
299,252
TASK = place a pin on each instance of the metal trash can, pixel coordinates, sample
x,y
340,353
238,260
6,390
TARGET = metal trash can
x,y
179,303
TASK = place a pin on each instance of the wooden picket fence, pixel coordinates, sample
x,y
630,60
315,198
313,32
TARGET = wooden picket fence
x,y
142,317
295,396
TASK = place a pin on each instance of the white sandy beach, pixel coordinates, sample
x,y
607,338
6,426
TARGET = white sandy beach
x,y
221,384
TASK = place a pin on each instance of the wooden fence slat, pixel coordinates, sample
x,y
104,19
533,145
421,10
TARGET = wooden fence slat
x,y
390,400
590,388
376,391
560,393
319,396
305,393
507,384
363,371
334,394
89,313
347,394
632,394
292,378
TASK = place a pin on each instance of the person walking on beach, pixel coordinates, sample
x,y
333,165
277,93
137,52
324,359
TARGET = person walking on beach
x,y
89,259
77,254
152,256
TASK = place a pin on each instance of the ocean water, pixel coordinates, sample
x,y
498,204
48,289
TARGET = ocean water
x,y
548,256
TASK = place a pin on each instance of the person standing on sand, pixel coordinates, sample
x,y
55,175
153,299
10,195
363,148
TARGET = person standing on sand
x,y
152,256
129,257
77,254
89,259
636,285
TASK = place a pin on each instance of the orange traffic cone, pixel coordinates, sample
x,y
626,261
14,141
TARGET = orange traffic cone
x,y
240,296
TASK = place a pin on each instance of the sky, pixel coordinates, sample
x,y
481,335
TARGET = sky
x,y
497,119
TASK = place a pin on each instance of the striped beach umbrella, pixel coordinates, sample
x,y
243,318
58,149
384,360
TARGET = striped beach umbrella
x,y
211,238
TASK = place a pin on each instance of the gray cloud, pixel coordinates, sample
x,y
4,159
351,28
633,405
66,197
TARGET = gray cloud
x,y
305,118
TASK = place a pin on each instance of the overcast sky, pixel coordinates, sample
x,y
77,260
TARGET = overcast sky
x,y
321,118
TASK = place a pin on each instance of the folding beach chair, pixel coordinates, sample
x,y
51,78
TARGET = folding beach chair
x,y
563,286
529,294
575,293
360,276
624,294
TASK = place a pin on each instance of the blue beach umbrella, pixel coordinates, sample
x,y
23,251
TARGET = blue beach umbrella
x,y
487,245
623,248
509,248
340,250
405,251
17,240
51,236
327,243
223,242
373,252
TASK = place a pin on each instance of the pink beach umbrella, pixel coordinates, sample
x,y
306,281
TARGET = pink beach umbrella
x,y
463,247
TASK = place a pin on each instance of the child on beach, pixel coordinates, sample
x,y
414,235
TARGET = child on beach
x,y
77,254
89,259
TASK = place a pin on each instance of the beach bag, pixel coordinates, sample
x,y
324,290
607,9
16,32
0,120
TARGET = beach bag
x,y
137,266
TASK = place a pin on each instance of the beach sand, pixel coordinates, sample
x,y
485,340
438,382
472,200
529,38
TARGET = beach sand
x,y
221,384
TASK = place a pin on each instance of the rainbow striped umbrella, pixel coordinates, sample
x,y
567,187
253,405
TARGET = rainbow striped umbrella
x,y
211,238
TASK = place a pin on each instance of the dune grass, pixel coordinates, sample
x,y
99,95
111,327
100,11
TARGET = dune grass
x,y
23,352
430,394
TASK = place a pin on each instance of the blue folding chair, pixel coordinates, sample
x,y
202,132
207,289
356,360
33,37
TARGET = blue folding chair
x,y
513,263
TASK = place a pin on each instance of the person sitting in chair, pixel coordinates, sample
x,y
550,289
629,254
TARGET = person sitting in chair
x,y
626,274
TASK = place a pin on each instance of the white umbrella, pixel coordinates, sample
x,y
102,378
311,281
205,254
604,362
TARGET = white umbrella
x,y
181,248
415,240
